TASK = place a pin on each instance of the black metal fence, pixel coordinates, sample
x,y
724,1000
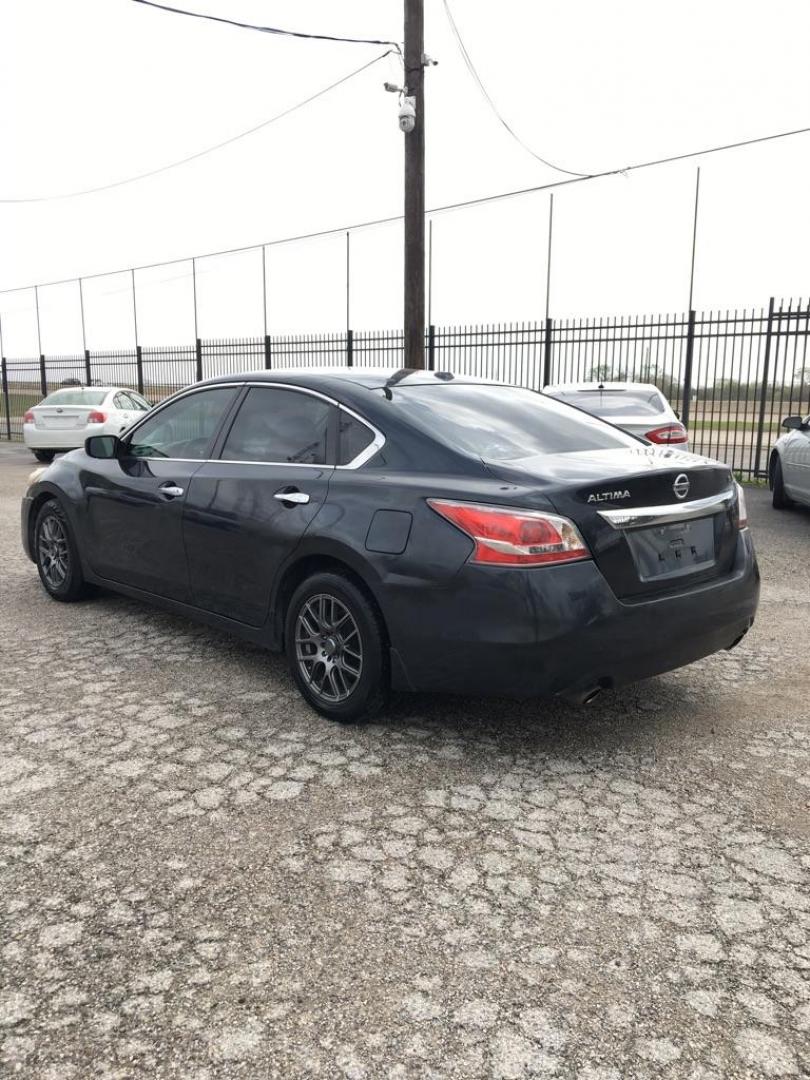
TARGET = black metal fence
x,y
732,376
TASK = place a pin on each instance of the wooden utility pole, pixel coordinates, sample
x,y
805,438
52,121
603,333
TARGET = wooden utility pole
x,y
415,188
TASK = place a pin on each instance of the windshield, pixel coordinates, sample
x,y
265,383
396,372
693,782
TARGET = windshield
x,y
78,396
610,403
504,423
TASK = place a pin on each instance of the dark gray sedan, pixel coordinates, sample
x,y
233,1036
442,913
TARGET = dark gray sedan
x,y
407,531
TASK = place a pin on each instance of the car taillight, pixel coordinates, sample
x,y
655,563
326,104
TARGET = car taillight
x,y
96,417
29,417
670,433
742,509
505,537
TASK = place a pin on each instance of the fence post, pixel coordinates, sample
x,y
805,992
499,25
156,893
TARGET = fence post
x,y
88,374
547,354
764,395
431,347
139,367
43,379
349,348
268,356
198,351
687,370
6,401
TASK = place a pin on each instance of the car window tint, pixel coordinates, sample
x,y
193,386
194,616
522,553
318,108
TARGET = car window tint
x,y
276,425
87,398
184,428
355,436
616,403
504,423
139,402
121,401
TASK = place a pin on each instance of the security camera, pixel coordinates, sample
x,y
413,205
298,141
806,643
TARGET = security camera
x,y
407,114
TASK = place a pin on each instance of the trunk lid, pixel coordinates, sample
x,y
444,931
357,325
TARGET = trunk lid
x,y
62,417
687,535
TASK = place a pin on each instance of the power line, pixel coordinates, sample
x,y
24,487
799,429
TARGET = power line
x,y
267,29
479,83
208,150
481,201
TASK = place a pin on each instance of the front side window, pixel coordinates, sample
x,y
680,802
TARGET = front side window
x,y
183,429
279,426
504,423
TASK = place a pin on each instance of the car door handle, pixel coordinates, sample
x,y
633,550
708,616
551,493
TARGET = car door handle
x,y
299,497
171,491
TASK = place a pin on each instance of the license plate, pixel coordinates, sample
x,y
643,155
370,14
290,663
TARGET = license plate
x,y
669,551
62,422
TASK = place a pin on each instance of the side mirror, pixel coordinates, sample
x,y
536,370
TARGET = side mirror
x,y
102,446
793,423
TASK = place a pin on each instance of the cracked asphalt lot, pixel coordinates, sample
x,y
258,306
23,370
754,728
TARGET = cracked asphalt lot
x,y
201,878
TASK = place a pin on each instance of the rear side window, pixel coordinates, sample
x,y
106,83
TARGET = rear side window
x,y
183,429
504,423
355,437
279,426
88,398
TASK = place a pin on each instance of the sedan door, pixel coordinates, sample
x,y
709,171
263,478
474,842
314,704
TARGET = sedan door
x,y
246,512
134,503
796,463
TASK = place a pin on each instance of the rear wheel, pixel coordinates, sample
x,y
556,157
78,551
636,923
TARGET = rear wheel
x,y
57,557
45,456
335,643
781,501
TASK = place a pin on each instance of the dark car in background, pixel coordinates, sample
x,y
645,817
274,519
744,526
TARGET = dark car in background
x,y
407,531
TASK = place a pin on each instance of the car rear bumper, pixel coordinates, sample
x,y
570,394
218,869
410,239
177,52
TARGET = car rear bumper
x,y
561,630
53,439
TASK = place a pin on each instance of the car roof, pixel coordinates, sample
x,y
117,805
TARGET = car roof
x,y
590,387
371,378
95,389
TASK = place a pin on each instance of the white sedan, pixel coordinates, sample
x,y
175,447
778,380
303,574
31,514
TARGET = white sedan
x,y
65,418
637,408
789,465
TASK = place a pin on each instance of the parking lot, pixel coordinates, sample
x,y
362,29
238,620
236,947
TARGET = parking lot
x,y
201,878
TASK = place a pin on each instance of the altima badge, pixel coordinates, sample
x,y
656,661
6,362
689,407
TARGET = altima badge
x,y
681,486
609,496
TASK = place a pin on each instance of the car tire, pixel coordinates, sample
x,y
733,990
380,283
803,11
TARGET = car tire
x,y
45,456
781,501
336,647
56,555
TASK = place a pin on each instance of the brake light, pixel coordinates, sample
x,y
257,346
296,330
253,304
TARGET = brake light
x,y
670,433
96,417
29,417
742,509
506,537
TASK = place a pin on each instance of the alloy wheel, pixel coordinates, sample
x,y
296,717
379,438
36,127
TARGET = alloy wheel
x,y
328,647
52,552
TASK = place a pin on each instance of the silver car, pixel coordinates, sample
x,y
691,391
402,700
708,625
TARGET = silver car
x,y
637,408
789,465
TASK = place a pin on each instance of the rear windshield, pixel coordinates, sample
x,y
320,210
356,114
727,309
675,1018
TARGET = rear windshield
x,y
504,423
75,397
615,403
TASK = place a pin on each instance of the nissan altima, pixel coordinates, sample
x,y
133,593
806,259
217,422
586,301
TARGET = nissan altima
x,y
406,531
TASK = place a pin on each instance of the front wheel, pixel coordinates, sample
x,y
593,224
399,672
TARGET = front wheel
x,y
57,557
45,456
781,501
335,643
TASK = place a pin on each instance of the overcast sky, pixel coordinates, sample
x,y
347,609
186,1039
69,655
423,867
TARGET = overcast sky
x,y
99,90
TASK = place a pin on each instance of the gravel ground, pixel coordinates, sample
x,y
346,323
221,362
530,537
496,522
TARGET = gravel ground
x,y
201,878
